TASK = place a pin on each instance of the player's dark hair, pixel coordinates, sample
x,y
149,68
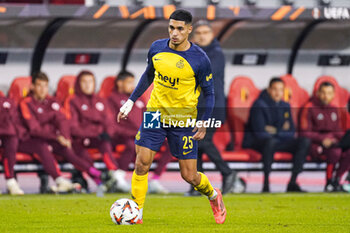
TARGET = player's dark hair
x,y
275,80
326,84
83,73
202,22
182,15
40,76
124,74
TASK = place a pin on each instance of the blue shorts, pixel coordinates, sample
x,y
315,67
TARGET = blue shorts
x,y
180,140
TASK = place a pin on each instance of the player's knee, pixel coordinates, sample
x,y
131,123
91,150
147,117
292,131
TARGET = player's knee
x,y
141,167
189,178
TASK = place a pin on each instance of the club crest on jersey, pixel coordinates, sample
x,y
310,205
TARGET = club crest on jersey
x,y
99,106
209,77
180,64
320,117
286,115
84,107
334,116
40,110
139,104
6,104
138,135
55,106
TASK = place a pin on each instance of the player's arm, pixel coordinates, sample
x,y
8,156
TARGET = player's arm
x,y
145,81
205,81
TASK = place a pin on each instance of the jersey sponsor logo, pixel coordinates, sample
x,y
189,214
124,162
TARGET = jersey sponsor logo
x,y
209,77
157,59
180,64
170,80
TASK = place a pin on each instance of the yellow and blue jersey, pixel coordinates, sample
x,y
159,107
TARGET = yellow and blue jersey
x,y
178,77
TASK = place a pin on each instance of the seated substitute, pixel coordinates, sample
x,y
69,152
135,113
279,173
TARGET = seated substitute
x,y
48,128
270,129
320,121
90,125
9,133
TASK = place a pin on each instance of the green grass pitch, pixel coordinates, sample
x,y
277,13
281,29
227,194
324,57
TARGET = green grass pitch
x,y
175,213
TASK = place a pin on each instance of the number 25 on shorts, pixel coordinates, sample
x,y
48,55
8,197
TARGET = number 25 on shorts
x,y
188,143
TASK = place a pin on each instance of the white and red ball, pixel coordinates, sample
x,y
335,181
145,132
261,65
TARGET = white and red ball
x,y
124,212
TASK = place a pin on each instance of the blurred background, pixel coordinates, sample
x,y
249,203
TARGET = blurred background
x,y
299,39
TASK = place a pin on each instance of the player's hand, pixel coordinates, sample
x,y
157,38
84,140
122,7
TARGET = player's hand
x,y
63,141
69,143
286,126
270,129
200,133
328,142
125,109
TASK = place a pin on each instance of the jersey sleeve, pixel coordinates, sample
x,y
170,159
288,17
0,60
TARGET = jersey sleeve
x,y
204,78
146,78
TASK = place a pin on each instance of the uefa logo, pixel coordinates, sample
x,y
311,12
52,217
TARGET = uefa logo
x,y
151,120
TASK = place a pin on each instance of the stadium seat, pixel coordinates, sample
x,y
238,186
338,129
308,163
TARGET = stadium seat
x,y
107,87
242,95
295,95
19,88
145,97
65,88
109,83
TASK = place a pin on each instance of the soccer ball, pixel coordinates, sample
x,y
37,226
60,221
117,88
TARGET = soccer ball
x,y
124,212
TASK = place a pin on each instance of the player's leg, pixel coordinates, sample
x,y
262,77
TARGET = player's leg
x,y
154,185
10,145
147,142
333,157
128,153
267,149
79,163
105,147
299,147
201,183
207,145
139,181
344,164
40,148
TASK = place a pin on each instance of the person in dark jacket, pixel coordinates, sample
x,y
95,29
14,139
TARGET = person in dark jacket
x,y
91,125
321,122
9,134
125,131
270,128
48,126
204,37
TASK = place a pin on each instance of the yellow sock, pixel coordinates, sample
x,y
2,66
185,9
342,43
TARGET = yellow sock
x,y
205,187
139,186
